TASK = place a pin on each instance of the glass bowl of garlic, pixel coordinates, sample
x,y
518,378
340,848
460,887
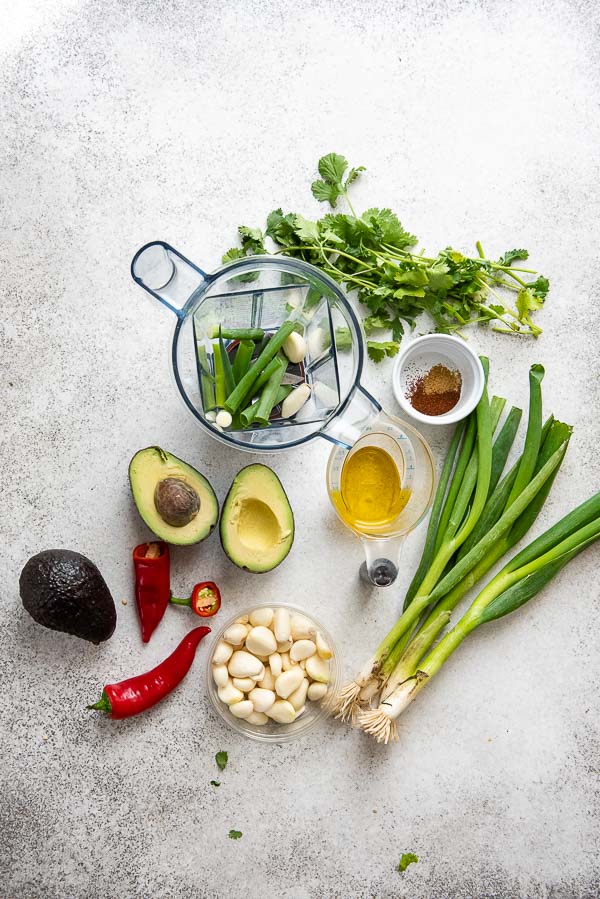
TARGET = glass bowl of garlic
x,y
270,671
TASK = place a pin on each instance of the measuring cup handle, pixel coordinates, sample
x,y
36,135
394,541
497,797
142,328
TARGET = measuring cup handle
x,y
379,570
352,417
167,275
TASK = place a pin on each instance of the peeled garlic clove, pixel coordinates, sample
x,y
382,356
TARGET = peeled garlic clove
x,y
302,628
285,645
322,647
298,697
243,619
300,711
236,634
281,711
244,664
229,694
262,699
282,625
286,662
268,681
295,400
222,654
288,681
242,709
223,418
245,684
257,718
317,691
302,649
261,617
275,664
220,675
317,669
261,641
294,347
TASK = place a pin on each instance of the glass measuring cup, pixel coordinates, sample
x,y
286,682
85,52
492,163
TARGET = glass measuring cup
x,y
412,457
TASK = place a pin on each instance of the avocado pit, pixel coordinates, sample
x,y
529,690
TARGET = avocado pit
x,y
176,502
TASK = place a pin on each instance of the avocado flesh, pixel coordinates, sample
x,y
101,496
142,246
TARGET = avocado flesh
x,y
148,468
64,591
257,522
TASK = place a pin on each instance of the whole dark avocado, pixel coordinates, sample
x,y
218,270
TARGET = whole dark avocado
x,y
64,591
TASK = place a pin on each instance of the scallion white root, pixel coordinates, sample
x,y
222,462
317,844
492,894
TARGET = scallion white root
x,y
380,723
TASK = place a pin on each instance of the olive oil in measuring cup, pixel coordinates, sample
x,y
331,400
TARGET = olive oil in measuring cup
x,y
382,488
374,484
371,495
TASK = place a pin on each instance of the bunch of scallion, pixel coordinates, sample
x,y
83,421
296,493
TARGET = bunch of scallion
x,y
477,516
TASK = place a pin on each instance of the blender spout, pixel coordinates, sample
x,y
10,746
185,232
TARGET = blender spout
x,y
167,275
352,418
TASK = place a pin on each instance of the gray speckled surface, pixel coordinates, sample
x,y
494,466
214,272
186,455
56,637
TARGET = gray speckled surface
x,y
128,121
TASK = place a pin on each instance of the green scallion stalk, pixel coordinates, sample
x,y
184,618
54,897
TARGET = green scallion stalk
x,y
556,434
511,588
268,398
220,389
243,357
436,512
457,477
207,381
237,333
534,433
248,415
227,367
236,397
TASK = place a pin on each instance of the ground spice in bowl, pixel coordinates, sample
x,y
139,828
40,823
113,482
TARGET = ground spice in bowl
x,y
435,392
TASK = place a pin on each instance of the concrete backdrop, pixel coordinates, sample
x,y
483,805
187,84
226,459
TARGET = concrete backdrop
x,y
124,122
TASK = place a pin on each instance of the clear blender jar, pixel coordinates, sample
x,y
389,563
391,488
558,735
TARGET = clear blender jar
x,y
263,292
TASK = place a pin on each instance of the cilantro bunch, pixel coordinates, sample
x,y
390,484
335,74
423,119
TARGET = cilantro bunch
x,y
375,256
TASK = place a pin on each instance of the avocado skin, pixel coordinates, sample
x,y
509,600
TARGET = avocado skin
x,y
64,591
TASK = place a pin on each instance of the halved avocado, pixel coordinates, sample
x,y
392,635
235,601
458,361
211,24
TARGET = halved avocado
x,y
257,522
176,501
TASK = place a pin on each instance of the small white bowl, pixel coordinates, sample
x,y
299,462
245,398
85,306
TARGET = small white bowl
x,y
439,349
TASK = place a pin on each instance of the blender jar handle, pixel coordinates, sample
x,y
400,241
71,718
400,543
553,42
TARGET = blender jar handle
x,y
167,275
348,424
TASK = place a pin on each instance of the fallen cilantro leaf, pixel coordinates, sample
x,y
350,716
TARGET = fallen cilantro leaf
x,y
408,858
215,783
221,759
235,834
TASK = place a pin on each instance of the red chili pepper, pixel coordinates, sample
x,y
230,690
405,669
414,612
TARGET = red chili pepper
x,y
205,600
152,584
136,694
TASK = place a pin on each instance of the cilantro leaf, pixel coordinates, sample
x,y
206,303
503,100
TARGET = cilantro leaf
x,y
231,254
221,758
235,834
280,227
252,240
215,783
353,175
539,287
323,191
408,858
376,322
513,256
308,232
332,167
379,349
